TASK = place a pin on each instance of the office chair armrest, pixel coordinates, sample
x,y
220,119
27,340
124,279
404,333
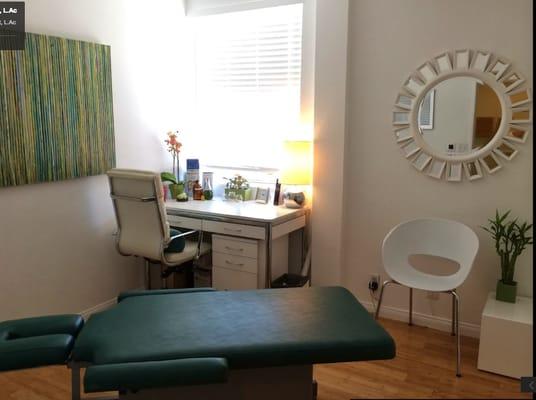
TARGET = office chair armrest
x,y
181,235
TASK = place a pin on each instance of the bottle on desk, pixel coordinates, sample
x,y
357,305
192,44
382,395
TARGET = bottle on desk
x,y
197,191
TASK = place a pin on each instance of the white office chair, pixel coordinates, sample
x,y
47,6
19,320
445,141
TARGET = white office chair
x,y
143,229
435,237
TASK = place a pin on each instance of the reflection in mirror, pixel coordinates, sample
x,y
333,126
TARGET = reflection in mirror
x,y
402,135
491,163
522,115
519,98
499,68
506,151
459,116
454,172
473,170
517,134
481,61
512,81
436,169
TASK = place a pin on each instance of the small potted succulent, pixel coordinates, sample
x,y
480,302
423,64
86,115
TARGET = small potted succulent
x,y
511,238
237,188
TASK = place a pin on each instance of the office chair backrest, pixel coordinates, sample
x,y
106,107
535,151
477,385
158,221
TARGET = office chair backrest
x,y
140,212
431,236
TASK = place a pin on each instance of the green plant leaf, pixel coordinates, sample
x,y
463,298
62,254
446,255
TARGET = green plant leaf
x,y
168,177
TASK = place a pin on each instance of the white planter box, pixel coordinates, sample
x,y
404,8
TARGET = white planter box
x,y
506,337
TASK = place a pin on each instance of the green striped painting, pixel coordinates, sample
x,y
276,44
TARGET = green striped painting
x,y
56,111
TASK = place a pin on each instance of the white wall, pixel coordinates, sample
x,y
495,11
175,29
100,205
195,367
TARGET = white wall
x,y
388,40
454,114
56,250
330,90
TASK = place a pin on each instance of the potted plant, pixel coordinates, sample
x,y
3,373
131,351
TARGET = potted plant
x,y
176,186
511,238
237,188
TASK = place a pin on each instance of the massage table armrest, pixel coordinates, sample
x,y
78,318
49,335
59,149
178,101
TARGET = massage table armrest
x,y
154,374
134,293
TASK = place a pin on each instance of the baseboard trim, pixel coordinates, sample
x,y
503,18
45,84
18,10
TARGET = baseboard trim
x,y
102,306
98,308
429,321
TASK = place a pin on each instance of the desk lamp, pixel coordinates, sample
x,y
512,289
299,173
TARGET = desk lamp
x,y
296,170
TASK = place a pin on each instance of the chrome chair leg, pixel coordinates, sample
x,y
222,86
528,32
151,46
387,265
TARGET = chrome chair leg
x,y
410,306
388,282
453,322
457,324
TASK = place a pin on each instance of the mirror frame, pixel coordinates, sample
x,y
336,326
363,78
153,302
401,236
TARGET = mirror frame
x,y
494,71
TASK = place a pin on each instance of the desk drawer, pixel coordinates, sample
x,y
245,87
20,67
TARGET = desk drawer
x,y
228,279
226,228
236,263
184,222
234,246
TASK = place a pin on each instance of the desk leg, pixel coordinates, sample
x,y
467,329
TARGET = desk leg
x,y
268,280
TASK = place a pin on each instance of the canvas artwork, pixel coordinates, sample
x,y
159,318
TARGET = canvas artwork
x,y
56,111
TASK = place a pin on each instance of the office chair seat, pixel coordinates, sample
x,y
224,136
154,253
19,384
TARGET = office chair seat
x,y
189,252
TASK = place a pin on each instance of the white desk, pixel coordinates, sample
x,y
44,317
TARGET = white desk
x,y
250,240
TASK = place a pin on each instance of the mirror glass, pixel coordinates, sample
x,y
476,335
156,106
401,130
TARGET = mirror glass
x,y
460,115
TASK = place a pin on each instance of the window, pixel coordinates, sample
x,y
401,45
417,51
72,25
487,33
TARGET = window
x,y
426,112
248,73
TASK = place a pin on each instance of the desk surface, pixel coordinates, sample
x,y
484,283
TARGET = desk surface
x,y
247,210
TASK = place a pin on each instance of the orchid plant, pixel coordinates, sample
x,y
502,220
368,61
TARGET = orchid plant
x,y
174,147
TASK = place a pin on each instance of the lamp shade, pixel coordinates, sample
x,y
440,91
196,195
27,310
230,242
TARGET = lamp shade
x,y
297,162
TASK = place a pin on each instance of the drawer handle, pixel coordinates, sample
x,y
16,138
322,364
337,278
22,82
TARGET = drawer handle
x,y
232,263
233,248
232,230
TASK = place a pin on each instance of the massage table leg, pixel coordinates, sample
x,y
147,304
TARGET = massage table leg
x,y
75,381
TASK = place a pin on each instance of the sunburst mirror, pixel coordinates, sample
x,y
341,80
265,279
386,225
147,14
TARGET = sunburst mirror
x,y
462,115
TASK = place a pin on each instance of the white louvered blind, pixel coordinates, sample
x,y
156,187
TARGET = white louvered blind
x,y
426,111
248,73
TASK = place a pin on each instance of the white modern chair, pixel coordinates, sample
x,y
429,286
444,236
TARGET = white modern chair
x,y
434,237
143,229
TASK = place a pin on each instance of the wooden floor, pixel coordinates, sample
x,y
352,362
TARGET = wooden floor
x,y
423,368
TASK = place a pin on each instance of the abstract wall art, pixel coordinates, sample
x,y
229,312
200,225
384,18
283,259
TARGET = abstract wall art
x,y
56,111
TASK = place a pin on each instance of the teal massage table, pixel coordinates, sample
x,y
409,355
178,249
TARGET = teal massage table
x,y
203,344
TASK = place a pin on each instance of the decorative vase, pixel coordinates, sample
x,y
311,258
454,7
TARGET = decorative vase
x,y
208,194
506,292
245,194
176,189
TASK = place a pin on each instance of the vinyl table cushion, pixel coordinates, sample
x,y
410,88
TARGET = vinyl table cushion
x,y
249,329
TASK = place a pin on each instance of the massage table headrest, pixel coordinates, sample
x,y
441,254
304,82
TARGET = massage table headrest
x,y
39,341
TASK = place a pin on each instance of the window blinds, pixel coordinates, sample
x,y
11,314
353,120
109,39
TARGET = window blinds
x,y
248,74
251,50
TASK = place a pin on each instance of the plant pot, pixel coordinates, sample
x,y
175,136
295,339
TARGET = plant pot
x,y
245,194
506,292
176,189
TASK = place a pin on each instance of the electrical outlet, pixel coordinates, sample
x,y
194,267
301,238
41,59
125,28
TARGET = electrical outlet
x,y
374,282
432,295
